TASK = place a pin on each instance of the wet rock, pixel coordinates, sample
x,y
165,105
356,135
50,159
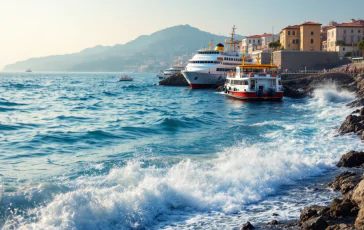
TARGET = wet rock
x,y
315,223
340,227
356,103
356,111
351,124
359,222
345,182
273,222
275,214
247,225
361,112
343,208
358,198
351,159
312,211
174,80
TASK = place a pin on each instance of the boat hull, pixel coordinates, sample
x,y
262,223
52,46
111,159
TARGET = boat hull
x,y
201,80
253,96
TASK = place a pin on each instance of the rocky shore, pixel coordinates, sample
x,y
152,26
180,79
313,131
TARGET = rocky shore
x,y
347,211
176,79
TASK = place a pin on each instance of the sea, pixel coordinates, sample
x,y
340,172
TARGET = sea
x,y
84,151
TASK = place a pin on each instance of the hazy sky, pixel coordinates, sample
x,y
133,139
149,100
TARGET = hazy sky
x,y
34,28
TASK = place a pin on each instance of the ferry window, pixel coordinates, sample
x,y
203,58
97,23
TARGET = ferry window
x,y
279,82
245,83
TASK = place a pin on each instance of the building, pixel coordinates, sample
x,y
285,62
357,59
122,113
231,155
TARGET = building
x,y
257,42
304,37
250,42
290,37
343,38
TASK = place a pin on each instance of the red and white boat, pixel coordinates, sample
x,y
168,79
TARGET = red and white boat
x,y
254,82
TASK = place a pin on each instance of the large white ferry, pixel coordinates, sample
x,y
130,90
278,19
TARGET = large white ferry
x,y
169,72
208,67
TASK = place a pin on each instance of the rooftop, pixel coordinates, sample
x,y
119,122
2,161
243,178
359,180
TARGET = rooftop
x,y
311,23
292,27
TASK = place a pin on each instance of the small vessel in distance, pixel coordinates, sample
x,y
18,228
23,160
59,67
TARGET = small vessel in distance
x,y
169,72
254,82
28,71
125,78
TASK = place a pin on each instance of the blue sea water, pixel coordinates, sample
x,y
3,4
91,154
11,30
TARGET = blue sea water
x,y
83,151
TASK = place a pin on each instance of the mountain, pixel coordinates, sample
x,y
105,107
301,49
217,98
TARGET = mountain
x,y
146,53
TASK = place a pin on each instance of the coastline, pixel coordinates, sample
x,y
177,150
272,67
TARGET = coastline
x,y
347,210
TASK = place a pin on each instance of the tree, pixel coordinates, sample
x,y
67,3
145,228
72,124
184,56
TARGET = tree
x,y
275,45
361,46
340,43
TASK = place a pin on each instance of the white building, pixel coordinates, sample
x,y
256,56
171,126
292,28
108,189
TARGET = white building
x,y
257,42
348,33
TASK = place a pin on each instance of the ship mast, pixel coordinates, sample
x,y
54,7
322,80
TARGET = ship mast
x,y
232,42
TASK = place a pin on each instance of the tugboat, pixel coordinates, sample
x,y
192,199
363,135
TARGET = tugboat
x,y
254,82
125,78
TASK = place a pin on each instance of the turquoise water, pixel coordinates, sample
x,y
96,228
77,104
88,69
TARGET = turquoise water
x,y
84,151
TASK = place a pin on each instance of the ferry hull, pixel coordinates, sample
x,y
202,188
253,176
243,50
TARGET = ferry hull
x,y
253,96
200,80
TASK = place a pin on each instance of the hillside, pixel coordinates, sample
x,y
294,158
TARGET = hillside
x,y
146,53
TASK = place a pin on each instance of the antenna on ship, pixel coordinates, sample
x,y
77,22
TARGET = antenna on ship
x,y
211,43
232,42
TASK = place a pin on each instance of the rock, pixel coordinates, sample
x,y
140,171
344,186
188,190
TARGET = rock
x,y
343,208
316,223
356,103
351,159
361,112
247,225
345,182
358,198
359,222
174,80
356,111
275,214
312,211
273,222
340,227
358,194
354,124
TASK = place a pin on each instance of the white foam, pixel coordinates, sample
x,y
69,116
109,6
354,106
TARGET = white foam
x,y
135,196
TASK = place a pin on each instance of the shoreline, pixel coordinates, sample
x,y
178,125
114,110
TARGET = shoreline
x,y
345,211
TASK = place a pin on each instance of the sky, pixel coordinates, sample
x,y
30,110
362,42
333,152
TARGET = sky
x,y
35,28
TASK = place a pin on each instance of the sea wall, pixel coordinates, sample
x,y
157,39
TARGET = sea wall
x,y
299,60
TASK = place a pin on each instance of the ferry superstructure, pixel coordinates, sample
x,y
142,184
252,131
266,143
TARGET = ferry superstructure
x,y
254,82
208,67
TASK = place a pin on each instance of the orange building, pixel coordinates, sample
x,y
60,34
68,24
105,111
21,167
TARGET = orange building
x,y
304,37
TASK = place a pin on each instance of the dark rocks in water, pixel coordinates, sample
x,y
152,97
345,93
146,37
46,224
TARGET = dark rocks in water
x,y
304,86
175,80
356,111
354,124
275,214
247,225
351,159
312,211
345,182
273,222
356,103
361,112
315,223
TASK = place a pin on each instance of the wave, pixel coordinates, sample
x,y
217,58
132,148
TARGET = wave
x,y
182,122
132,197
330,94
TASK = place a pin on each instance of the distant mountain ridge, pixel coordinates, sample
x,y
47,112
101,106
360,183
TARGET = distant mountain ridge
x,y
146,53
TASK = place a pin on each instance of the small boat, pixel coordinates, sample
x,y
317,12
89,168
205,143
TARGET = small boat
x,y
28,70
169,72
125,78
254,82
